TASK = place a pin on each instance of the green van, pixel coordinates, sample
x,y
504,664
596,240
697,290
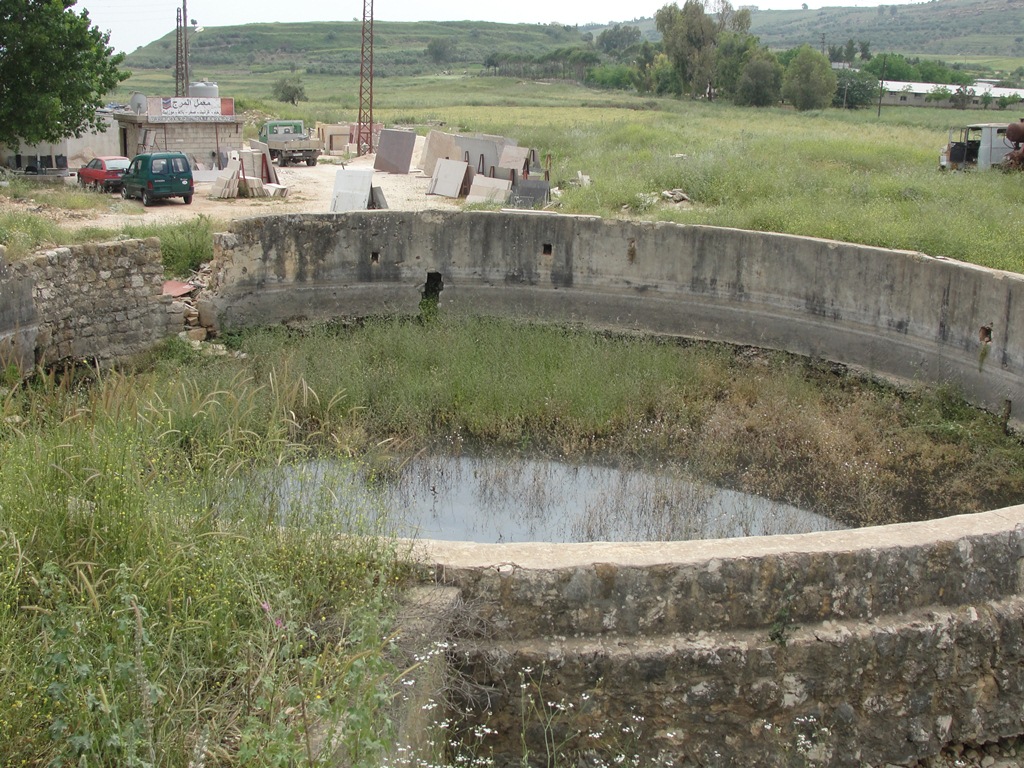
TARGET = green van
x,y
156,175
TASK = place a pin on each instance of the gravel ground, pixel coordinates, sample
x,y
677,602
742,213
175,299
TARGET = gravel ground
x,y
309,191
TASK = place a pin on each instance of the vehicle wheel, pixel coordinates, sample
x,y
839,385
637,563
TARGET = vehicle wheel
x,y
124,193
187,199
147,200
310,161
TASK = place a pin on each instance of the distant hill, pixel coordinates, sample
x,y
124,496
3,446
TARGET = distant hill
x,y
400,48
942,28
948,28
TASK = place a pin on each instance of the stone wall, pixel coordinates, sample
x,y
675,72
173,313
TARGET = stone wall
x,y
901,314
98,302
849,648
208,143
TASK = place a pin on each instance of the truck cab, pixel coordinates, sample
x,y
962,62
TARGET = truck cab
x,y
288,142
980,146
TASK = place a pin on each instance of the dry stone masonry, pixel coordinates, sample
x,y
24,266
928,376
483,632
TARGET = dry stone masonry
x,y
98,302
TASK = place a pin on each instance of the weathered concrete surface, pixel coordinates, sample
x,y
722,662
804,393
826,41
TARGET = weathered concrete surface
x,y
844,648
901,314
19,323
99,302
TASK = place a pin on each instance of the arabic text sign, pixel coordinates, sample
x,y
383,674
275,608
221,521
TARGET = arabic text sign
x,y
189,107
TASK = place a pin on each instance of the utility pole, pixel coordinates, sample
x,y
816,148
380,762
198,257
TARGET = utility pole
x,y
364,131
179,56
184,38
181,51
881,85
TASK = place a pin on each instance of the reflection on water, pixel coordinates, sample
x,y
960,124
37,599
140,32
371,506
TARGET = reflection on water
x,y
490,500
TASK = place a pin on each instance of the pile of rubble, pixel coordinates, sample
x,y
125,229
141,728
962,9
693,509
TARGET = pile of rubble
x,y
184,295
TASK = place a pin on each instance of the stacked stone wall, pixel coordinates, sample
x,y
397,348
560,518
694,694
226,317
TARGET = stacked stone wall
x,y
855,648
100,302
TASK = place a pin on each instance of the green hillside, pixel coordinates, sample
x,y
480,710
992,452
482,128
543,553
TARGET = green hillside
x,y
949,28
400,48
988,31
944,28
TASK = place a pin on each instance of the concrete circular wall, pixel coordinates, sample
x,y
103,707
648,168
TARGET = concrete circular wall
x,y
859,647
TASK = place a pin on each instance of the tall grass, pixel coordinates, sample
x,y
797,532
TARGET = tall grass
x,y
766,424
156,609
161,603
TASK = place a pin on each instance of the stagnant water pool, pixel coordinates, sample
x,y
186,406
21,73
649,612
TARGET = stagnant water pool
x,y
512,499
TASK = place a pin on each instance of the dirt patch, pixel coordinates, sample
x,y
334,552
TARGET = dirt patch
x,y
309,191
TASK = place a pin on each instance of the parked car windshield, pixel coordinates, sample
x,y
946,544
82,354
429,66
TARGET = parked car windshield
x,y
117,165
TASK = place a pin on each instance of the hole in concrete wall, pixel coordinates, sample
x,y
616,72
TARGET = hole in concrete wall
x,y
548,249
433,287
431,296
985,334
375,257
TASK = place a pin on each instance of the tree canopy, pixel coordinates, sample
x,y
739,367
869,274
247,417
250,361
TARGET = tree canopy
x,y
289,89
809,82
55,69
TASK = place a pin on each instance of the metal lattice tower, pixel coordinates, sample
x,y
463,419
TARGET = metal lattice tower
x,y
364,133
181,52
180,83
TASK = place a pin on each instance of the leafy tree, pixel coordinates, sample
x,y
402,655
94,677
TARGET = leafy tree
x,y
55,68
865,50
849,51
618,76
618,38
582,59
289,89
732,53
688,39
643,73
939,93
891,66
809,82
855,89
441,49
666,77
962,97
760,84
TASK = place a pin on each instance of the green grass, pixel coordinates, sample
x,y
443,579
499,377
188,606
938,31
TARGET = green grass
x,y
157,607
845,175
783,430
161,600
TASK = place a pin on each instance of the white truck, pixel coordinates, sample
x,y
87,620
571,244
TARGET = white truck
x,y
288,142
981,146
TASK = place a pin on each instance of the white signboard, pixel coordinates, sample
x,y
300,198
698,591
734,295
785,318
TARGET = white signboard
x,y
190,109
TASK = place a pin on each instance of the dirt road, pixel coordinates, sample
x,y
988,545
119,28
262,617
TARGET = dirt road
x,y
309,191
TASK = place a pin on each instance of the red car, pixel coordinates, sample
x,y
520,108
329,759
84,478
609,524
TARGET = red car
x,y
103,173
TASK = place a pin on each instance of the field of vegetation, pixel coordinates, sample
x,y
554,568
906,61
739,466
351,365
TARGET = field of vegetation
x,y
157,609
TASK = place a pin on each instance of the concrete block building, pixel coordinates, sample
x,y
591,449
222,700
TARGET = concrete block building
x,y
206,129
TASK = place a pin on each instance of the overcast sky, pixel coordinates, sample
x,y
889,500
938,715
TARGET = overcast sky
x,y
132,23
